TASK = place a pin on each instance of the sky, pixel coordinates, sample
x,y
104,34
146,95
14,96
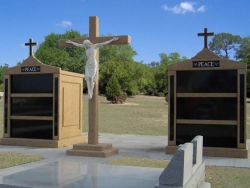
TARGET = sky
x,y
155,26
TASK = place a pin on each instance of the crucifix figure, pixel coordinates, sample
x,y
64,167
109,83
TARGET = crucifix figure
x,y
206,35
31,44
91,74
95,41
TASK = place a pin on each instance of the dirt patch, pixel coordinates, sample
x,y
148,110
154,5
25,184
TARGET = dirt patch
x,y
148,96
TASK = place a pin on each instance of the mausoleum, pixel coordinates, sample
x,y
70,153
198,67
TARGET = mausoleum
x,y
42,105
207,96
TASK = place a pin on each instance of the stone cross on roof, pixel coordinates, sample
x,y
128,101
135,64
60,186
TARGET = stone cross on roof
x,y
31,44
206,35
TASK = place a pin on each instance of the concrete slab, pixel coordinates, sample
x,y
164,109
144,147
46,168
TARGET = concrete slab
x,y
139,146
75,174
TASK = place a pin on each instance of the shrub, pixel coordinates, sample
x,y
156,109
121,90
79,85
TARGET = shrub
x,y
124,96
161,94
113,89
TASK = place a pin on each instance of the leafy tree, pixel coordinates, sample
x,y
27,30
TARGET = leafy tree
x,y
223,43
154,64
161,71
243,54
113,89
118,61
70,59
2,69
133,77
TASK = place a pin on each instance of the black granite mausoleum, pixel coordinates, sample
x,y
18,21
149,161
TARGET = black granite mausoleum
x,y
207,96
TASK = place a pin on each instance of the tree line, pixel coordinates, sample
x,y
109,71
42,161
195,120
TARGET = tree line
x,y
227,45
117,62
114,61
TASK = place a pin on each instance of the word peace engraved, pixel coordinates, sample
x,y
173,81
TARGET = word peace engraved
x,y
31,69
198,64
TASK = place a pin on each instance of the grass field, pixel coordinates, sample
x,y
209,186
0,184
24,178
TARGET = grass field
x,y
9,159
139,115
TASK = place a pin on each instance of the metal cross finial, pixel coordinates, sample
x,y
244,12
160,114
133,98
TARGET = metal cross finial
x,y
206,35
31,44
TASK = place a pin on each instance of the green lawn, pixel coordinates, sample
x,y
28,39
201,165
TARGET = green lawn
x,y
140,115
9,159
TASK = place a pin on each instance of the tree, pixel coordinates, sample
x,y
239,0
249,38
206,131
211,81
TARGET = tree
x,y
113,89
2,69
243,54
118,61
112,59
161,71
223,43
69,59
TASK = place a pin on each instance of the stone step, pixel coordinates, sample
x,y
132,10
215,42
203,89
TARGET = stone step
x,y
89,153
92,147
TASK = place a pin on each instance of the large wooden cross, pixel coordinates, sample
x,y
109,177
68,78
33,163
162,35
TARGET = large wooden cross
x,y
206,35
93,103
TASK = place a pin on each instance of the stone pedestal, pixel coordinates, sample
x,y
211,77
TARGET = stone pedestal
x,y
92,150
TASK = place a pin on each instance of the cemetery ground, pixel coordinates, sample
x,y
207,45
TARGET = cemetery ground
x,y
144,116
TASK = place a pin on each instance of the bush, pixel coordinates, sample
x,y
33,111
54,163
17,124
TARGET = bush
x,y
120,99
161,94
113,89
124,96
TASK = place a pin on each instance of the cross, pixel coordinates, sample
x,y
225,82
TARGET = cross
x,y
206,35
31,44
93,103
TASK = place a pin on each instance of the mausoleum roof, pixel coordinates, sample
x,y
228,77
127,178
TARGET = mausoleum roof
x,y
31,60
205,53
208,57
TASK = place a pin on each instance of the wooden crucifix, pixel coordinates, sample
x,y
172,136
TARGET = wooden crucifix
x,y
206,35
93,103
31,44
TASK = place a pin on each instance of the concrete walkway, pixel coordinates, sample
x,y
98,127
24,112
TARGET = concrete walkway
x,y
129,146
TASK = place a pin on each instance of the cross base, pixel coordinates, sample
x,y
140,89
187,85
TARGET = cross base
x,y
92,150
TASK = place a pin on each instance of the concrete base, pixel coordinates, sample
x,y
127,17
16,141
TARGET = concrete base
x,y
92,150
43,143
204,185
215,152
81,174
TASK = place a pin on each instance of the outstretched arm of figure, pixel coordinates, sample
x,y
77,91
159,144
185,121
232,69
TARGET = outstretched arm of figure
x,y
74,43
107,42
